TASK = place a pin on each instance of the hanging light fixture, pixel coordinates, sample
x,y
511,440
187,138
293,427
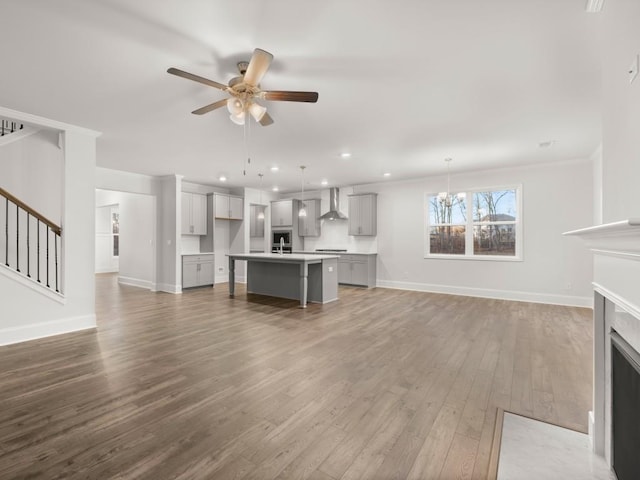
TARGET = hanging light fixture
x,y
302,212
235,106
236,110
257,111
237,119
261,214
446,197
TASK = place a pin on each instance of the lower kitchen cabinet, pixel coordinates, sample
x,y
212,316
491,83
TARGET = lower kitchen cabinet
x,y
357,269
197,270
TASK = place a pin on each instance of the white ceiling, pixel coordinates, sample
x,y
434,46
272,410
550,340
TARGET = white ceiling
x,y
402,84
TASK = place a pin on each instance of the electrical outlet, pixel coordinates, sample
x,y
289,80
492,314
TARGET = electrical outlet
x,y
330,269
220,269
633,69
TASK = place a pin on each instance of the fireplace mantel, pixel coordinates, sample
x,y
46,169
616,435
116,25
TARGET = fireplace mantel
x,y
621,237
616,283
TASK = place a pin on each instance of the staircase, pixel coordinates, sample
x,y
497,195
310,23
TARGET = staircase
x,y
30,245
7,127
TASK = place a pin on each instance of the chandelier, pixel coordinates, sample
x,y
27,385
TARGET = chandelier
x,y
447,198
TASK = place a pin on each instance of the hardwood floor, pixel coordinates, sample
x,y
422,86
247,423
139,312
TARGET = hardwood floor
x,y
383,384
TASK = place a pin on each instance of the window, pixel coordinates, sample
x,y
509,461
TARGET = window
x,y
115,230
479,224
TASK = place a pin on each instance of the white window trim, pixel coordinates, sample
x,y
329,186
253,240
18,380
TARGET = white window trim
x,y
468,255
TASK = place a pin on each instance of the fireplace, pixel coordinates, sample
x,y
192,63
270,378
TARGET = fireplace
x,y
625,409
614,423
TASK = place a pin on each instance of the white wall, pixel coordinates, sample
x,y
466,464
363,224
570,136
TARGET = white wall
x,y
32,170
556,198
621,110
137,235
28,313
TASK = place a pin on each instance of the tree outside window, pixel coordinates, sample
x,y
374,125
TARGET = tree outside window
x,y
492,229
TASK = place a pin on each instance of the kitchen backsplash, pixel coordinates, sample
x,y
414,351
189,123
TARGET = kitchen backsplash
x,y
335,234
190,244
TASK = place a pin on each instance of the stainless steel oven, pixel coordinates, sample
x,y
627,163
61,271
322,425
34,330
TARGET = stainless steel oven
x,y
281,239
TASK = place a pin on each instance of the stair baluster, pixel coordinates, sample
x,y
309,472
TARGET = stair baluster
x,y
17,238
28,249
55,253
38,250
23,242
6,232
48,286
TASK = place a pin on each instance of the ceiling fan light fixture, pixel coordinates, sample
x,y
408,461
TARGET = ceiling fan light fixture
x,y
235,106
257,111
594,6
237,119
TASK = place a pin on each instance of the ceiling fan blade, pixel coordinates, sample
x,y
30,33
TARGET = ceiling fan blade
x,y
284,96
258,66
196,78
211,106
266,120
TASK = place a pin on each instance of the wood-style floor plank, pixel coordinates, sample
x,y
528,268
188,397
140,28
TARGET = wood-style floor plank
x,y
381,384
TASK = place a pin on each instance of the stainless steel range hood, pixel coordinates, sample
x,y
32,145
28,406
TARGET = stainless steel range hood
x,y
334,212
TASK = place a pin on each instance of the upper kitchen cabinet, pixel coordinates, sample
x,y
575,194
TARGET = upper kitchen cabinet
x,y
309,226
282,212
363,214
228,206
194,214
256,224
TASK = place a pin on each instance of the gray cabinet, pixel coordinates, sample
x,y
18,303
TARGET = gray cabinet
x,y
228,207
309,226
194,214
283,212
357,269
363,214
256,224
197,270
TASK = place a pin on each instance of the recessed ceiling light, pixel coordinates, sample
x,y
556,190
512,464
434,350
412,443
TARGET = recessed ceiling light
x,y
275,189
324,182
594,6
222,178
386,174
274,168
345,155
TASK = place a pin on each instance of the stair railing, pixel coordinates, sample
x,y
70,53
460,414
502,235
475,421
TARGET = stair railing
x,y
7,127
19,217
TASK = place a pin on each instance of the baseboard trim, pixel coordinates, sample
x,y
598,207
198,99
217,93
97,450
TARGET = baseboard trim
x,y
10,336
225,279
548,298
107,270
168,288
135,282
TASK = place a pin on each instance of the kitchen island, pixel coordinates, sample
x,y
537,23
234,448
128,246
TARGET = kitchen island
x,y
312,278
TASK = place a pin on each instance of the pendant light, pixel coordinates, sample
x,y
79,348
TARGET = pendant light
x,y
261,213
302,212
446,197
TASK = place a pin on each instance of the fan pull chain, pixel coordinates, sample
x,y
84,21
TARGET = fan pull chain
x,y
247,138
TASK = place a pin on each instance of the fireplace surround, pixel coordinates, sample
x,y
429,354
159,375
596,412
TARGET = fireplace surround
x,y
616,284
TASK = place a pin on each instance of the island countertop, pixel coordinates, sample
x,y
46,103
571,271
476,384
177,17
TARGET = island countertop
x,y
285,257
290,275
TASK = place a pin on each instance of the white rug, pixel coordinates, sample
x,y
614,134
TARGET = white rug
x,y
536,450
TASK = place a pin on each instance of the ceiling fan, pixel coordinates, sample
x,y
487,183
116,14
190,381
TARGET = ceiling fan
x,y
245,91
